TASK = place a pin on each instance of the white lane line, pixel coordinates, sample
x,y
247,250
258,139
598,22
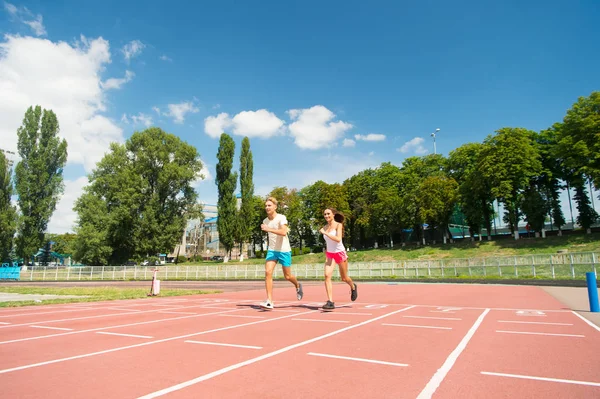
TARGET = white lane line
x,y
534,322
53,328
324,321
117,326
441,373
3,322
539,333
416,326
168,305
51,312
65,359
586,320
220,344
357,313
358,359
123,335
434,318
529,377
265,356
173,312
127,310
99,316
243,316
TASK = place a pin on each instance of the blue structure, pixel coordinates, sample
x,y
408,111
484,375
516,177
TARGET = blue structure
x,y
8,272
590,277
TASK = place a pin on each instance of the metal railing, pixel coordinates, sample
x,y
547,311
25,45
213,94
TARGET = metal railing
x,y
546,266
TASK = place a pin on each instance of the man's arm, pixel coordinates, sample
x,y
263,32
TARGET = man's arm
x,y
281,231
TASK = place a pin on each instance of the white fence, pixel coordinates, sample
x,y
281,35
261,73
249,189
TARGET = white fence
x,y
547,266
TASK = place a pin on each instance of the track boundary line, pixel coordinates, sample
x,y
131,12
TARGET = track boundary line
x,y
586,320
527,377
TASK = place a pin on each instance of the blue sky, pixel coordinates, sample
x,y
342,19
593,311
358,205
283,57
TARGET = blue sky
x,y
323,89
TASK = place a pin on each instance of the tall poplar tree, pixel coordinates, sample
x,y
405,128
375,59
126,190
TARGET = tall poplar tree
x,y
226,183
39,177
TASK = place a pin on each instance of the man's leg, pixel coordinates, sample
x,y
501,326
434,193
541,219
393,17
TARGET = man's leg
x,y
269,267
286,266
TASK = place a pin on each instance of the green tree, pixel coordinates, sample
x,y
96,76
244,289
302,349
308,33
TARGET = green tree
x,y
8,212
535,208
258,236
39,176
552,171
226,182
509,160
581,125
246,214
439,196
139,199
475,197
361,192
413,172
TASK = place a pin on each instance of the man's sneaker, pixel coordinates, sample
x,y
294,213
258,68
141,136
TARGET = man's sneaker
x,y
266,305
354,293
329,306
299,292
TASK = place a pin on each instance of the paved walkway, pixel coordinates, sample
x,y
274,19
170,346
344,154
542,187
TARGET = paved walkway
x,y
576,298
9,297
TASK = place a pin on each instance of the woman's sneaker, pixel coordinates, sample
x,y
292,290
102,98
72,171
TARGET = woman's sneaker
x,y
267,305
329,306
354,293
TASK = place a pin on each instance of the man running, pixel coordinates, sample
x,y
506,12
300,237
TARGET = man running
x,y
276,226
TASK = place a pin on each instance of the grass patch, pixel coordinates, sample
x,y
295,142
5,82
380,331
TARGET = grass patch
x,y
91,294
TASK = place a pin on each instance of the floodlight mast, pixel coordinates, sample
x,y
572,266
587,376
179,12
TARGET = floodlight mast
x,y
433,135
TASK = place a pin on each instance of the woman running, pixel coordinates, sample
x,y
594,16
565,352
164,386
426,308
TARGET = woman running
x,y
333,233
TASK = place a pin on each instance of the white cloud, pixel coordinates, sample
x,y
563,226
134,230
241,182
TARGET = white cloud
x,y
23,15
415,145
67,82
156,109
348,143
64,218
314,127
370,137
132,49
114,83
178,111
215,125
261,123
142,119
165,58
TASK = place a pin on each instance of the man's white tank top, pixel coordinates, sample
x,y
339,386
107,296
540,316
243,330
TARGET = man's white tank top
x,y
333,246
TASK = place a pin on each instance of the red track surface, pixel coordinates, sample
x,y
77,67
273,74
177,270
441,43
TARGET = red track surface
x,y
403,341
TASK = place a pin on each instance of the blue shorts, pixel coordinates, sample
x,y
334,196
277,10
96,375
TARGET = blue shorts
x,y
285,258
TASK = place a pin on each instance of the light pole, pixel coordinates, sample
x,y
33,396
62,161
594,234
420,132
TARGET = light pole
x,y
433,135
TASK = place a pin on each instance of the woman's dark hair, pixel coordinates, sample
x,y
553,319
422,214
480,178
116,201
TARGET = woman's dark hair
x,y
337,216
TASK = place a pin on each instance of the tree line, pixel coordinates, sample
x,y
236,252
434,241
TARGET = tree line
x,y
140,196
521,169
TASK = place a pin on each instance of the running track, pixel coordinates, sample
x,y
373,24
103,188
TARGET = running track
x,y
396,340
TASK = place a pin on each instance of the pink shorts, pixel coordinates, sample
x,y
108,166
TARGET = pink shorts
x,y
338,257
